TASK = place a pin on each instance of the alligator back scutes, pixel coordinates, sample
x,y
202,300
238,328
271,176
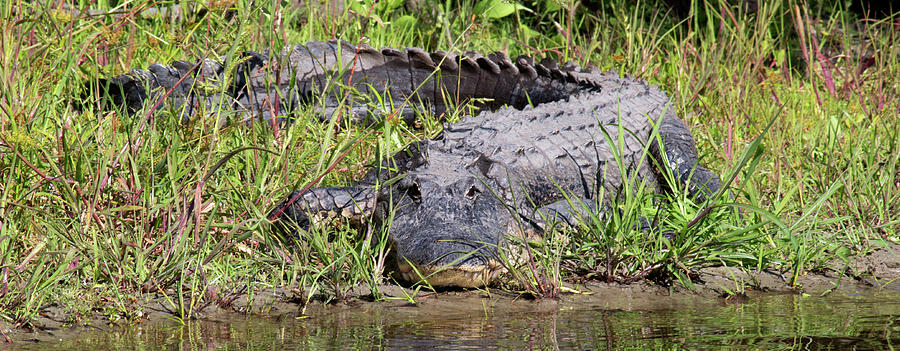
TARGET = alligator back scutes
x,y
266,84
462,76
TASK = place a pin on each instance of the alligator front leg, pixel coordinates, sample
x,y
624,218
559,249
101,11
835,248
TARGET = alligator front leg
x,y
681,154
303,209
568,212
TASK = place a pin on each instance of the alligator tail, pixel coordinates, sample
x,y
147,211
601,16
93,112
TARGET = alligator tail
x,y
266,85
184,85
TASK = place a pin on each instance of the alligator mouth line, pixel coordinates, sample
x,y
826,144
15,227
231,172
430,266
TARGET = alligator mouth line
x,y
467,276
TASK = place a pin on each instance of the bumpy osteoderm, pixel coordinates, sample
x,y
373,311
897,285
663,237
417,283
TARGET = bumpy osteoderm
x,y
367,81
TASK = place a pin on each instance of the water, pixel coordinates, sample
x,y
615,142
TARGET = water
x,y
448,321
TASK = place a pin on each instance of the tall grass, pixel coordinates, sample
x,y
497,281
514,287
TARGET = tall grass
x,y
99,208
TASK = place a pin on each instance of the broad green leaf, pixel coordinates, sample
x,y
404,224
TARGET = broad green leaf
x,y
405,22
390,5
497,8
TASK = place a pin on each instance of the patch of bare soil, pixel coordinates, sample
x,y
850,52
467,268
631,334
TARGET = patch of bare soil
x,y
877,271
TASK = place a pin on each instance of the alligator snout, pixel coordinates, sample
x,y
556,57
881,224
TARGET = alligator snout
x,y
447,255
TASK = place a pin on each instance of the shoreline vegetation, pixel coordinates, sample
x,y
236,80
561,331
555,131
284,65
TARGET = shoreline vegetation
x,y
101,212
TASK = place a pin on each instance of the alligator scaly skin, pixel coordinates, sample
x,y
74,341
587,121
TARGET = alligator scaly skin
x,y
343,75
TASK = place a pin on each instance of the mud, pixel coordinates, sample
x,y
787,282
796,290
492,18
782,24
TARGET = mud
x,y
878,271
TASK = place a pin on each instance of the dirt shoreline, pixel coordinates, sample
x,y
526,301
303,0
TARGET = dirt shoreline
x,y
877,271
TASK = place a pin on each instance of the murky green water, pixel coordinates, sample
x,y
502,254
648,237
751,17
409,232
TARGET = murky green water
x,y
447,322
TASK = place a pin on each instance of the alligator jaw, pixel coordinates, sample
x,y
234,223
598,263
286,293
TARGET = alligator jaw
x,y
467,276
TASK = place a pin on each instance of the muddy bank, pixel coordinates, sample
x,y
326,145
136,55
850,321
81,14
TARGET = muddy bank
x,y
876,272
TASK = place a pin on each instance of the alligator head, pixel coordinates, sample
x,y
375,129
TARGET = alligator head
x,y
448,225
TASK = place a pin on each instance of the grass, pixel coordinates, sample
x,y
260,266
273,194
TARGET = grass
x,y
100,209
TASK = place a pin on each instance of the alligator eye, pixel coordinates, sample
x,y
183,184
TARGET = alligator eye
x,y
413,192
473,192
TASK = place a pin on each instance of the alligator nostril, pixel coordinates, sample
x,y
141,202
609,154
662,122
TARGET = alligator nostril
x,y
472,193
414,192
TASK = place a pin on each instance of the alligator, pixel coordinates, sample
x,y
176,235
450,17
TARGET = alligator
x,y
550,143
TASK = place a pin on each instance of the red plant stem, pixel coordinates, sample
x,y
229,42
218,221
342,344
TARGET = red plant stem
x,y
4,281
39,172
801,29
826,66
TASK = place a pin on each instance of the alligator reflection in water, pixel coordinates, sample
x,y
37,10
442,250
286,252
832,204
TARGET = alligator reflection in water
x,y
447,321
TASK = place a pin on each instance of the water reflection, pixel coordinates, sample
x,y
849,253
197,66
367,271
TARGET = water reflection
x,y
447,322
